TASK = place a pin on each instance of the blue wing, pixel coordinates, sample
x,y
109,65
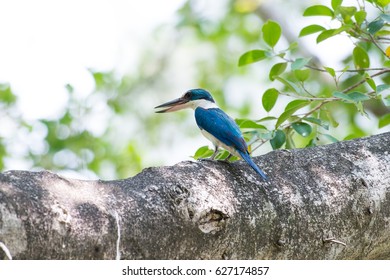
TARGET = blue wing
x,y
221,126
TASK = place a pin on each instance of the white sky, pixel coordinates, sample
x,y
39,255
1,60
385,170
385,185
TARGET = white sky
x,y
46,44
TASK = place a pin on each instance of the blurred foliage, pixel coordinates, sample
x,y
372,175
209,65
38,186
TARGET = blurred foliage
x,y
98,134
308,119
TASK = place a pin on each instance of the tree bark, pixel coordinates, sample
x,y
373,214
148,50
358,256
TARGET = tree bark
x,y
327,202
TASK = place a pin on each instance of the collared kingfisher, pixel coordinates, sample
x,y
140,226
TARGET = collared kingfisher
x,y
214,124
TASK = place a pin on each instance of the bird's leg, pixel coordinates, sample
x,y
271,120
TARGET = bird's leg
x,y
215,153
212,158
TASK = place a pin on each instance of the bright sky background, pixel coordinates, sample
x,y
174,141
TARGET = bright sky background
x,y
47,44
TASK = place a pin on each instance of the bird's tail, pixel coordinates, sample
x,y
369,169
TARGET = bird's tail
x,y
245,156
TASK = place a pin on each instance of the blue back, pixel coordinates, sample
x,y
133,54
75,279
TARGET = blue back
x,y
221,126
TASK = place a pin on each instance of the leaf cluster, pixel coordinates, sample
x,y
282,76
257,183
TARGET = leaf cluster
x,y
308,119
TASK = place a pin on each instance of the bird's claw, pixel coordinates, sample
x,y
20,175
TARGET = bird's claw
x,y
205,159
226,160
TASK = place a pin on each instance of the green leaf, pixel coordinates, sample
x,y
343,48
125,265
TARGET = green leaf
x,y
69,88
293,46
332,32
284,116
386,101
276,70
384,121
245,123
297,104
353,96
331,119
6,95
290,142
302,128
360,58
370,81
336,4
331,71
278,140
383,33
266,136
311,29
312,143
382,3
269,98
269,118
331,138
271,32
341,95
293,87
302,75
360,16
252,56
290,109
326,35
347,13
203,152
224,154
382,87
318,10
300,63
360,108
376,25
319,122
385,17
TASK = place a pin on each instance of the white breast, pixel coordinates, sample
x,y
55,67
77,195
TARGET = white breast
x,y
218,143
202,103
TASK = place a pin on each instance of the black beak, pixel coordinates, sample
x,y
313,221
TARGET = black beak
x,y
172,106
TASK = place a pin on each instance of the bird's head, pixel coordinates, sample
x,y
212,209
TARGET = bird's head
x,y
191,99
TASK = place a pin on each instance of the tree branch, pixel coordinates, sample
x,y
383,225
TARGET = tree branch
x,y
327,202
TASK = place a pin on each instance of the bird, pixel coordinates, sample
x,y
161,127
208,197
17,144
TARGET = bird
x,y
214,124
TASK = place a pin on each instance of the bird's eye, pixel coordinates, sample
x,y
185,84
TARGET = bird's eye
x,y
187,95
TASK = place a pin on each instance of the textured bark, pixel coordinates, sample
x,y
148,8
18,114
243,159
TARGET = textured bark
x,y
328,202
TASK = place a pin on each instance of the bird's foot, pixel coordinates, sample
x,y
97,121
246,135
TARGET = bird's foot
x,y
214,160
205,159
226,160
286,151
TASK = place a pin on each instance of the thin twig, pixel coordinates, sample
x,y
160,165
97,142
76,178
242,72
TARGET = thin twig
x,y
262,142
310,98
339,71
376,44
387,70
383,38
309,112
325,101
